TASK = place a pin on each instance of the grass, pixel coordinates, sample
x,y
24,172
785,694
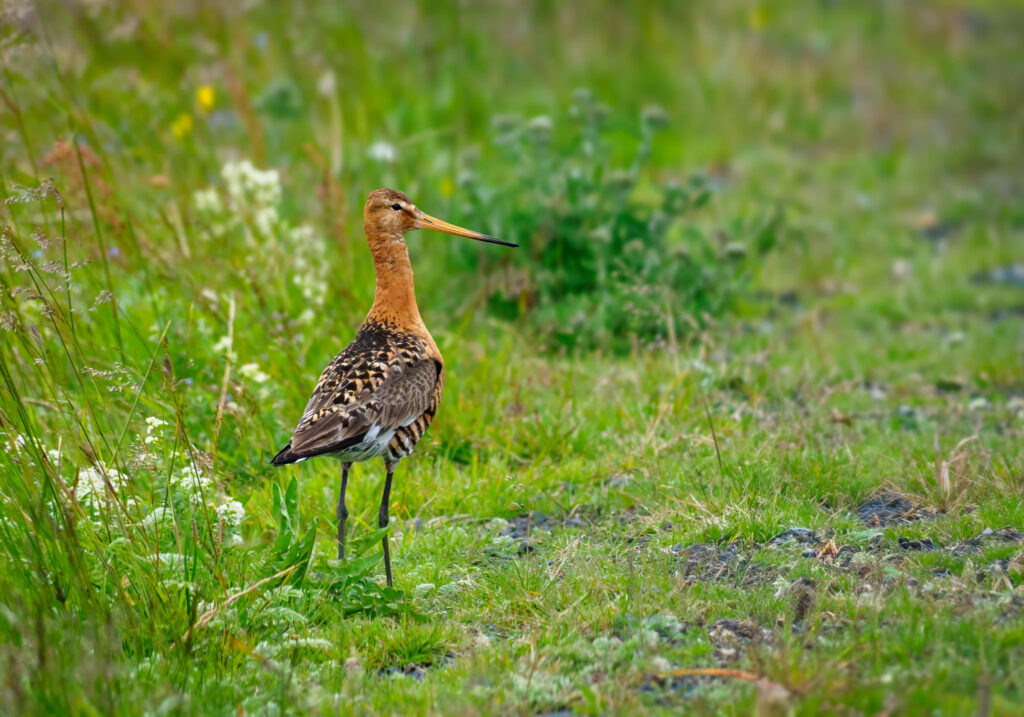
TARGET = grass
x,y
579,530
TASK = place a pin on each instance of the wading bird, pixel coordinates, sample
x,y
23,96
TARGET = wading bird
x,y
378,396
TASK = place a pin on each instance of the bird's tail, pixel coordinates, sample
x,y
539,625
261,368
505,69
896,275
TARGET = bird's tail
x,y
286,456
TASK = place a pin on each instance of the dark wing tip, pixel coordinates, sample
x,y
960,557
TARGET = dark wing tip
x,y
285,456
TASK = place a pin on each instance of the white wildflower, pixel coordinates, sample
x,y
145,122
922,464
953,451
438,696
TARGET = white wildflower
x,y
157,516
207,201
231,512
252,372
382,152
231,172
193,483
313,290
153,425
16,442
92,486
266,187
265,219
304,236
251,187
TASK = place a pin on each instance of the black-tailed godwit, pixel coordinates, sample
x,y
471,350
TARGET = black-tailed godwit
x,y
377,398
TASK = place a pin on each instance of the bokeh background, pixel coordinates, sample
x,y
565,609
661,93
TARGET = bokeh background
x,y
574,131
770,269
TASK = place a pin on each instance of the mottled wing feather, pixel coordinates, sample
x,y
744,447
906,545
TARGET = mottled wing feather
x,y
359,391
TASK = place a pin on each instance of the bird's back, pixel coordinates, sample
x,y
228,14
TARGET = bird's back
x,y
376,398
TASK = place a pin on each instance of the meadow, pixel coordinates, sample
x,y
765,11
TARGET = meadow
x,y
736,430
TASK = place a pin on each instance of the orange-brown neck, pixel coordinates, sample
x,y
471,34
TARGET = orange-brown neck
x,y
395,298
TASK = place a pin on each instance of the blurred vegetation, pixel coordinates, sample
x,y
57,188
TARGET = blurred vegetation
x,y
608,261
776,243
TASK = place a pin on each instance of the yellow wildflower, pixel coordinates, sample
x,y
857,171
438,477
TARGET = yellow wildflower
x,y
182,125
447,187
757,18
206,97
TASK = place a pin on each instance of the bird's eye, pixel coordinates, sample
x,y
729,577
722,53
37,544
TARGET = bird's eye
x,y
396,207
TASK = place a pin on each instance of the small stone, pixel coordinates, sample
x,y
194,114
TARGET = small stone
x,y
414,671
797,534
908,544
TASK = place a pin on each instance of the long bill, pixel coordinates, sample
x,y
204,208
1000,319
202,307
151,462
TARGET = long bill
x,y
425,221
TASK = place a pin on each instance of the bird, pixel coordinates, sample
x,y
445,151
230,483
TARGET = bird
x,y
378,396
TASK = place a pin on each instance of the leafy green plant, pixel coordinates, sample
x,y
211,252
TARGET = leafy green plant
x,y
608,259
292,549
354,583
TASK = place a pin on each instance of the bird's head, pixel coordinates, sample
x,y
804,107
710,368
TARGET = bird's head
x,y
389,212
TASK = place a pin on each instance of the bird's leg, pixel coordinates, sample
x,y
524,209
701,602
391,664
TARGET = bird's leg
x,y
382,519
342,509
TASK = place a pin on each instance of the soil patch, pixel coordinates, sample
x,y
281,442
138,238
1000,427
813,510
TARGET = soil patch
x,y
732,638
887,509
707,562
